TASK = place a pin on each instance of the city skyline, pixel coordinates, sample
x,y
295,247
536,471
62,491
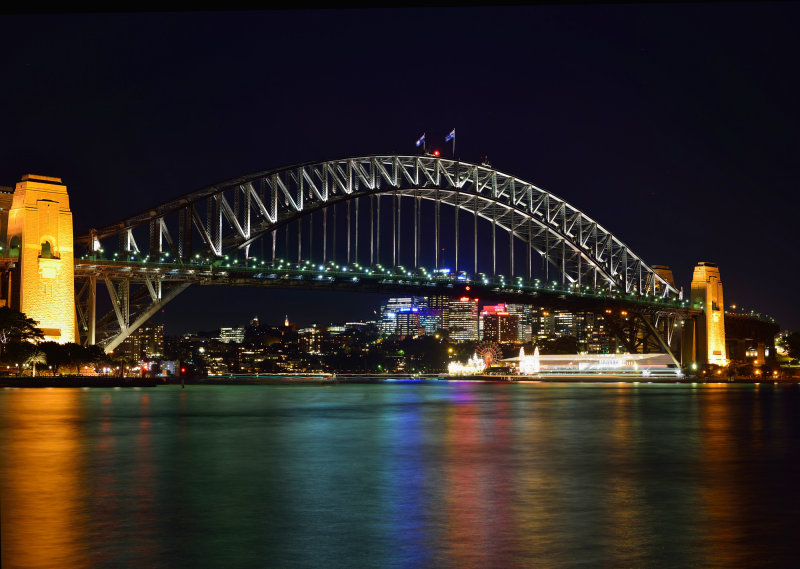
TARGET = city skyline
x,y
662,122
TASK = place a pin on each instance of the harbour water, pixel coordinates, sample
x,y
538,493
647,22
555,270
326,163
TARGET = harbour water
x,y
403,474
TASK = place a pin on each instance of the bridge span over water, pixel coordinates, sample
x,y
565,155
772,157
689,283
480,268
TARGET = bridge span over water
x,y
384,223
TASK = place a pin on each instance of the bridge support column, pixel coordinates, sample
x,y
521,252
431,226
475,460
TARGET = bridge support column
x,y
689,342
760,354
707,296
92,316
40,223
737,349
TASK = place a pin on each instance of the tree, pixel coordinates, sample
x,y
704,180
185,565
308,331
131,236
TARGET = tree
x,y
15,326
36,357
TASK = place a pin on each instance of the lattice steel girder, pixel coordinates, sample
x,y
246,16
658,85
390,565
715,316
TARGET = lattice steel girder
x,y
644,330
572,239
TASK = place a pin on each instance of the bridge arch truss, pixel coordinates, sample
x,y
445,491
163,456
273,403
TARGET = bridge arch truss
x,y
555,240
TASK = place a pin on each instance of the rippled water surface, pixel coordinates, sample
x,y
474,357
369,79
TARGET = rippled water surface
x,y
429,474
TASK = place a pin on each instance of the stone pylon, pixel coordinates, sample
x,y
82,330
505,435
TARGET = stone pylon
x,y
707,296
40,236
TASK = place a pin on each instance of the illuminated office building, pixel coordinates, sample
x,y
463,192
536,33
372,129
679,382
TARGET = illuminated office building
x,y
144,343
464,319
498,325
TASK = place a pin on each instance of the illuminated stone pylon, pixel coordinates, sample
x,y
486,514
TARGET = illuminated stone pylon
x,y
707,296
40,235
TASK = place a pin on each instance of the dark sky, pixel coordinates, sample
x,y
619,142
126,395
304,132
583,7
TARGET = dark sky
x,y
673,125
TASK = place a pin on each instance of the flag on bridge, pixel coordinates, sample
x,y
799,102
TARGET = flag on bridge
x,y
452,136
421,140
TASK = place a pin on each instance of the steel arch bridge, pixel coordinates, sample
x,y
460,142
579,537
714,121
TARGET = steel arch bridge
x,y
209,237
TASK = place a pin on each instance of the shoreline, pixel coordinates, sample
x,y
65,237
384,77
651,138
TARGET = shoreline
x,y
344,379
77,381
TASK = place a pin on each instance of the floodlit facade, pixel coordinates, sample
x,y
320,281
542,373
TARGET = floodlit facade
x,y
40,235
707,296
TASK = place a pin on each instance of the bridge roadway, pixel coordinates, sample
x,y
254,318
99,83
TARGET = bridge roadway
x,y
380,279
614,305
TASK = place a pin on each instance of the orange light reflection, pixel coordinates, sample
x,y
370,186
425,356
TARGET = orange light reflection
x,y
41,490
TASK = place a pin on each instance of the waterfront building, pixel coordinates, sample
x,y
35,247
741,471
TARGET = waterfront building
x,y
543,324
593,338
498,325
464,319
390,308
524,314
552,323
144,343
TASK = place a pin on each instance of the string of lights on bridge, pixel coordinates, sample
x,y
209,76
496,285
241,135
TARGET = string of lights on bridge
x,y
354,271
297,271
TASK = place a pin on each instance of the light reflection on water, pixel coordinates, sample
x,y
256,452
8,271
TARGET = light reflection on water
x,y
431,474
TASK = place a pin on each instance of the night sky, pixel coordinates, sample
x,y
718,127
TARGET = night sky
x,y
673,125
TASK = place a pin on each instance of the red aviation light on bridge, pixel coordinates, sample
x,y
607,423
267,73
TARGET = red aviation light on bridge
x,y
436,153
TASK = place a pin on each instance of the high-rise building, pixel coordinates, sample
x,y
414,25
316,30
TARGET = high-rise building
x,y
441,303
407,321
390,308
524,314
145,343
463,319
431,320
593,337
564,323
498,325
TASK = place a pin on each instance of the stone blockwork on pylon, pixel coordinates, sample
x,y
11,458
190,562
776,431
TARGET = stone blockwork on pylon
x,y
707,296
40,236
